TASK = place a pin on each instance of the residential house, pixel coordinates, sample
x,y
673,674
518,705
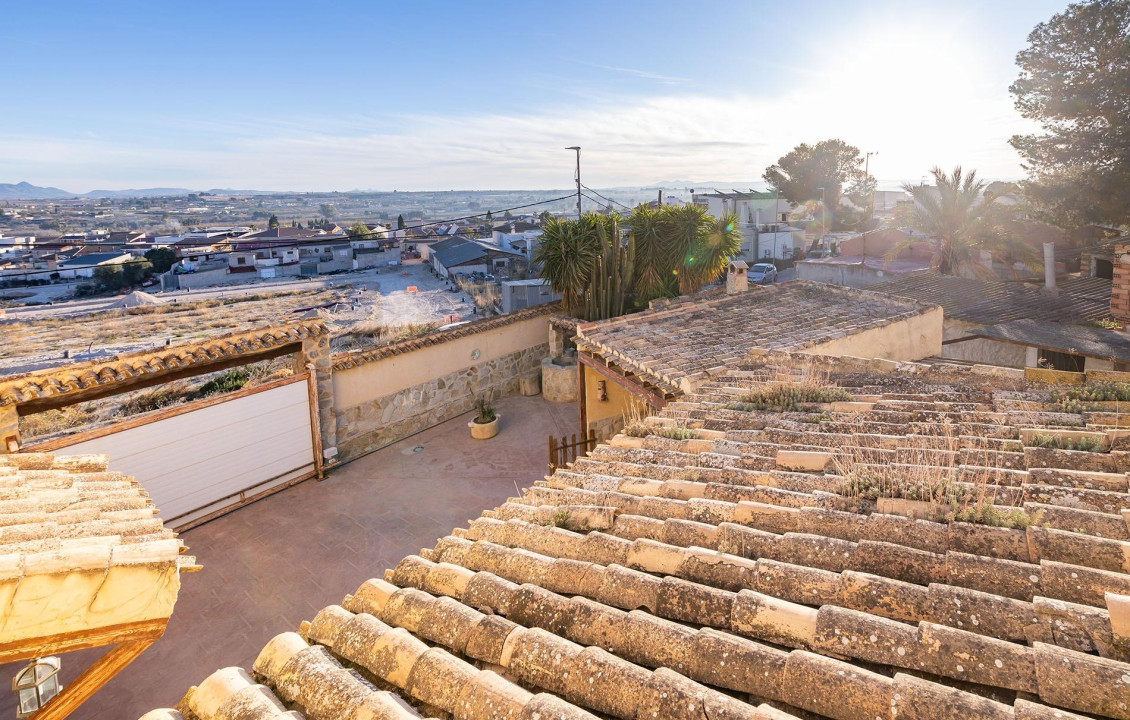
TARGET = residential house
x,y
83,265
517,236
762,220
460,256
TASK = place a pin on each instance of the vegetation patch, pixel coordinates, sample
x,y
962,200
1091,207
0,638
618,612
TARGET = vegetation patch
x,y
952,501
672,433
227,382
1087,397
1065,442
787,397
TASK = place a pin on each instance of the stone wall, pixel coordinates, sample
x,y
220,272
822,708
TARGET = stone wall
x,y
388,418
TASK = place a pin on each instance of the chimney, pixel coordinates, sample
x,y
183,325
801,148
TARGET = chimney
x,y
737,277
1049,269
1120,286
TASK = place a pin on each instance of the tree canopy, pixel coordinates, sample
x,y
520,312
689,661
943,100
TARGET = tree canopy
x,y
674,249
162,259
964,222
273,223
1074,81
830,164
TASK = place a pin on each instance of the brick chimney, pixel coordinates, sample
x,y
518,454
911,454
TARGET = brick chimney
x,y
1120,287
737,277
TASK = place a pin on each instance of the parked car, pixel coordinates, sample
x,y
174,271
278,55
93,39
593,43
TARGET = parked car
x,y
763,273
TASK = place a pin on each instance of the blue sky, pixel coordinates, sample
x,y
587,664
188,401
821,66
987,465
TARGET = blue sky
x,y
442,95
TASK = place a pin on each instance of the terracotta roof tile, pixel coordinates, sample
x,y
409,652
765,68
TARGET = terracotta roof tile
x,y
729,570
18,389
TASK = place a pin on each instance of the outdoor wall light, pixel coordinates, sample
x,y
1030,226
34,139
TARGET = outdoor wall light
x,y
602,391
35,685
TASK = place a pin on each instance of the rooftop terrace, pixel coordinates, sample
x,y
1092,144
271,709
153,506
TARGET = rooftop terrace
x,y
773,563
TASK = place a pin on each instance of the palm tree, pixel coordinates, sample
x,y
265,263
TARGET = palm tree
x,y
963,224
566,255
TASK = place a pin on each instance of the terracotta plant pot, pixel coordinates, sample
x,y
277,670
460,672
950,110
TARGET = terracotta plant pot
x,y
484,431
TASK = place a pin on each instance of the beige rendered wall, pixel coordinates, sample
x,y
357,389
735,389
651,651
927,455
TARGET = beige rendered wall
x,y
980,350
373,380
910,339
605,418
386,400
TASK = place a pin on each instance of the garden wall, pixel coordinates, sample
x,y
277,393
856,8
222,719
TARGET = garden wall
x,y
385,395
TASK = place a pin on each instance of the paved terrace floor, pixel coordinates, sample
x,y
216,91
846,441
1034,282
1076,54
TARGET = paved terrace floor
x,y
275,563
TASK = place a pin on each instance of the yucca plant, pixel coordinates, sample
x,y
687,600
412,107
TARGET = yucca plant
x,y
567,252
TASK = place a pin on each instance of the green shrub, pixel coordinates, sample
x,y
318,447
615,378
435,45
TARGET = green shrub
x,y
227,382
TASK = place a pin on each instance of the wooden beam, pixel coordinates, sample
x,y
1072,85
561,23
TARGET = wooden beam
x,y
58,400
651,397
91,680
582,398
82,640
315,421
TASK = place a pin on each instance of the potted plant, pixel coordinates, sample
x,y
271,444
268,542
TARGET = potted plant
x,y
485,423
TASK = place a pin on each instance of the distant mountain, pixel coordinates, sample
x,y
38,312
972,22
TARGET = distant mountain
x,y
707,185
132,193
27,191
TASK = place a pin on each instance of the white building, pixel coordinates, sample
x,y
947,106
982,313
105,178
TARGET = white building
x,y
83,265
518,236
762,220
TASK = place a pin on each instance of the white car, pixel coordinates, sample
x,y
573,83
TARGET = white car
x,y
763,273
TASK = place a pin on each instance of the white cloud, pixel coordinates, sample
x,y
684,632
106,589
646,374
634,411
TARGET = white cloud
x,y
884,93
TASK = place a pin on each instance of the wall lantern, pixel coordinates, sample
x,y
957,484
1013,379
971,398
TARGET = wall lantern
x,y
602,391
35,685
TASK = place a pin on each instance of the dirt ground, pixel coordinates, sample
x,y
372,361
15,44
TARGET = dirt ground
x,y
359,302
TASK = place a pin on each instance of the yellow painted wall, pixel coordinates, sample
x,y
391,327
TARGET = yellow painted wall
x,y
620,402
379,378
911,339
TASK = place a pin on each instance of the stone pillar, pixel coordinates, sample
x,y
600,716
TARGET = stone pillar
x,y
9,429
556,341
316,357
1120,288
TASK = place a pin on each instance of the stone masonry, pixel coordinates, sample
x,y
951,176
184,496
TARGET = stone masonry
x,y
1120,290
373,425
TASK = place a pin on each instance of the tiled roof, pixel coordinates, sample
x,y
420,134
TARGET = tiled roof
x,y
345,361
122,368
990,302
684,337
67,520
460,254
733,574
1061,337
